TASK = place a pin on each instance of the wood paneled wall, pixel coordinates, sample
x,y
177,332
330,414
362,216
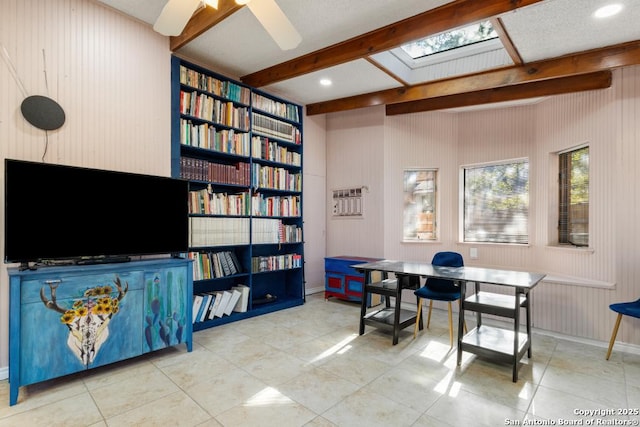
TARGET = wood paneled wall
x,y
111,75
582,282
355,157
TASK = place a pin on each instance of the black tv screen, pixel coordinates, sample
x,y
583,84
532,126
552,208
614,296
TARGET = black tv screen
x,y
57,212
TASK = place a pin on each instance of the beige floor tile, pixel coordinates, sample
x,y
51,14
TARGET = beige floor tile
x,y
318,389
132,392
308,366
461,408
585,385
275,367
368,409
78,410
267,408
232,388
555,405
175,410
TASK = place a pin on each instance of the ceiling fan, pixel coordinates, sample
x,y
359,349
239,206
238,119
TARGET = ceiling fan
x,y
176,14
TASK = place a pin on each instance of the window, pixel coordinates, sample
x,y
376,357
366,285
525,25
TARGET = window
x,y
449,40
419,205
496,202
573,215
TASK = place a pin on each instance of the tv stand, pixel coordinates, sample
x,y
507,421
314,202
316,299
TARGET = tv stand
x,y
102,260
73,318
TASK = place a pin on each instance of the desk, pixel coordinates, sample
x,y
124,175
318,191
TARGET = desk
x,y
496,343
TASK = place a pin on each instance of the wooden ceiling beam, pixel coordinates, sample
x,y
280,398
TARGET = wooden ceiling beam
x,y
202,21
506,41
560,85
443,18
621,55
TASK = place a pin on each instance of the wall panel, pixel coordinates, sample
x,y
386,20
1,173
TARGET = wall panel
x,y
110,73
583,282
355,152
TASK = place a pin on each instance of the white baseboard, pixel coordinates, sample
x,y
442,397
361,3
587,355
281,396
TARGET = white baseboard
x,y
316,290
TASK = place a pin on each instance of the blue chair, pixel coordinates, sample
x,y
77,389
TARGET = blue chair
x,y
623,309
439,289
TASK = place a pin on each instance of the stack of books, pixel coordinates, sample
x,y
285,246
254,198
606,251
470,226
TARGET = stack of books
x,y
209,305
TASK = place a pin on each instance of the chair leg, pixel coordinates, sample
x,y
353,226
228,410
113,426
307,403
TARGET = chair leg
x,y
450,325
418,316
613,335
429,316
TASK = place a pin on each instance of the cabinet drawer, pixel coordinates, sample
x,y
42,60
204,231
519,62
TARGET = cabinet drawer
x,y
75,286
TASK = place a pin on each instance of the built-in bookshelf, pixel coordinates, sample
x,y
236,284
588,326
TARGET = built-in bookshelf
x,y
241,151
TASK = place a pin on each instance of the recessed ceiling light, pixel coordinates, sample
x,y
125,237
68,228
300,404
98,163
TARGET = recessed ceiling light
x,y
608,10
325,82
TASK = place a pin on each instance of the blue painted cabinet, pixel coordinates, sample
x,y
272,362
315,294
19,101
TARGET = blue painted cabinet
x,y
344,282
68,319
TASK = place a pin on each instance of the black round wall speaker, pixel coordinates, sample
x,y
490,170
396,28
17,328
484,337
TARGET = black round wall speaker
x,y
42,112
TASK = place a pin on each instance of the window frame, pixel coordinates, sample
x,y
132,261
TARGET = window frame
x,y
462,200
562,192
429,224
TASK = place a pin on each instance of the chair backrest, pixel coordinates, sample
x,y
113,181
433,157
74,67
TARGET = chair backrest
x,y
445,259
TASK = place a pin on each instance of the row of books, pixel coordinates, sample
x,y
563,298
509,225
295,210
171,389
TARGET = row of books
x,y
275,262
215,86
275,178
212,265
269,126
209,305
275,205
214,110
206,202
203,170
282,109
213,231
209,137
271,230
263,148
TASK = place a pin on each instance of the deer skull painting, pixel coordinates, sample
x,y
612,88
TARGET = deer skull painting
x,y
88,319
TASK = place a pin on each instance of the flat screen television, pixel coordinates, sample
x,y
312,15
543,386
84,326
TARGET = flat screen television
x,y
55,212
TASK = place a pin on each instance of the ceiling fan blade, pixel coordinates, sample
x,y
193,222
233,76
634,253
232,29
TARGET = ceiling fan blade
x,y
276,23
174,16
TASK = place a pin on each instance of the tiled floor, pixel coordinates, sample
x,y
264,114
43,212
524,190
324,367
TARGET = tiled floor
x,y
307,366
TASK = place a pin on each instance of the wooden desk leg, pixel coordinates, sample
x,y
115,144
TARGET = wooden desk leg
x,y
363,302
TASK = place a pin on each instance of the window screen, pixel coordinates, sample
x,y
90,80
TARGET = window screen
x,y
496,202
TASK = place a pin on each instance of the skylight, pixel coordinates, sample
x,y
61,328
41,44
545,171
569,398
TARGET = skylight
x,y
449,40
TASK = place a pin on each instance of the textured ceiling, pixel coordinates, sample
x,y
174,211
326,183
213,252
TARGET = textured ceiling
x,y
239,45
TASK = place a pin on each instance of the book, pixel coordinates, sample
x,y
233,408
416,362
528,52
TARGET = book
x,y
197,305
206,300
243,301
236,262
224,263
215,265
216,304
232,267
207,312
226,296
235,296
